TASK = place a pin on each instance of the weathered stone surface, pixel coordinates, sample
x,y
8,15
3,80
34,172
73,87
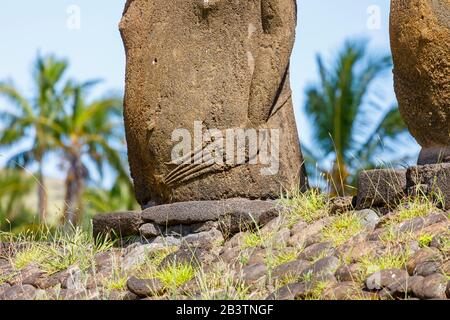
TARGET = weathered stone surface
x,y
323,267
20,292
316,250
431,287
447,291
368,218
436,177
149,230
290,269
292,291
258,256
279,239
233,213
426,256
172,81
121,224
145,287
380,187
309,234
253,274
347,290
135,255
352,272
434,155
354,252
420,41
392,280
211,238
196,256
341,204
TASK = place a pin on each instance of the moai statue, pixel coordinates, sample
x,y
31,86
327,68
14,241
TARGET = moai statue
x,y
420,41
208,107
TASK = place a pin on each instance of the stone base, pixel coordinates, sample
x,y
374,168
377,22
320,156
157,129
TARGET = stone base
x,y
385,187
381,187
435,179
229,216
434,155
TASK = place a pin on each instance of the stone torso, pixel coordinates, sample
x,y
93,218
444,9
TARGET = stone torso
x,y
191,60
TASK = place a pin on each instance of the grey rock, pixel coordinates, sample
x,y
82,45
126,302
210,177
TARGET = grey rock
x,y
292,291
258,256
425,257
299,227
377,188
211,238
242,210
368,218
136,255
411,225
121,224
253,274
392,280
281,238
447,291
352,272
75,280
427,268
20,292
290,269
149,230
316,250
347,290
196,256
432,287
323,267
52,280
145,287
433,155
310,234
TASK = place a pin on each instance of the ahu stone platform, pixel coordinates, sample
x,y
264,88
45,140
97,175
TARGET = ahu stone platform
x,y
229,216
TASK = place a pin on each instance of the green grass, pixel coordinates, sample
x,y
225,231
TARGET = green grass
x,y
175,275
32,254
419,206
389,260
342,229
57,250
425,240
317,291
252,240
308,206
117,282
280,258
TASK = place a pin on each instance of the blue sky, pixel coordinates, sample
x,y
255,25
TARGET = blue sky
x,y
95,50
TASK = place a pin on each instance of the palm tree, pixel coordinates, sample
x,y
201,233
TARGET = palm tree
x,y
88,135
30,117
14,187
339,106
119,197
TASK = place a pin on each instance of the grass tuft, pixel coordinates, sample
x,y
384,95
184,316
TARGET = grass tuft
x,y
308,206
342,229
175,275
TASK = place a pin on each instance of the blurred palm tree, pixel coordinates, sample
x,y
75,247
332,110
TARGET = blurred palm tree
x,y
339,106
88,135
119,198
29,120
14,186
